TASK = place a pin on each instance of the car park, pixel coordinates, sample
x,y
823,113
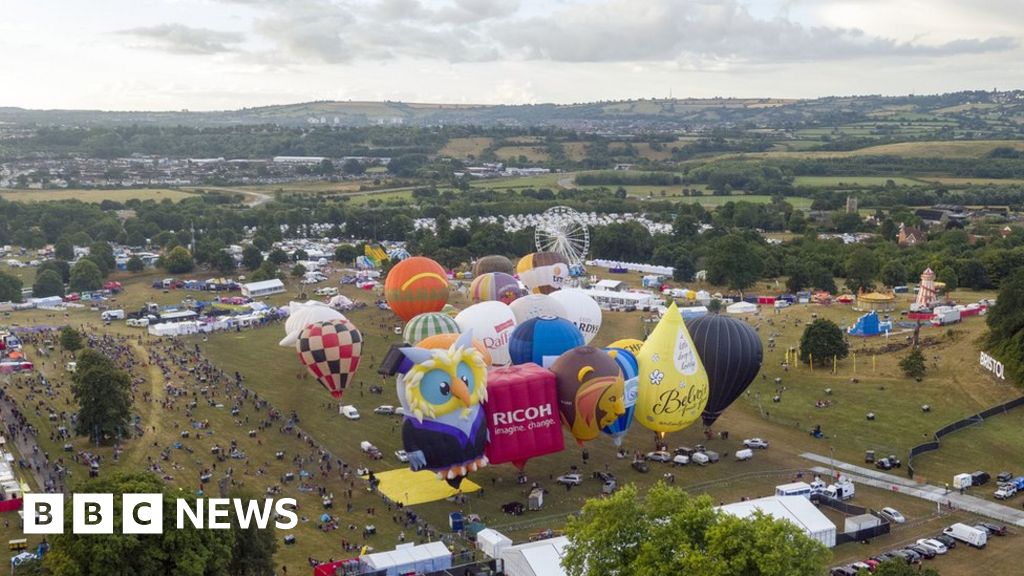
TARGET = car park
x,y
892,515
755,443
570,479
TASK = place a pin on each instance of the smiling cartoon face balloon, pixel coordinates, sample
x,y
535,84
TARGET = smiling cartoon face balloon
x,y
590,391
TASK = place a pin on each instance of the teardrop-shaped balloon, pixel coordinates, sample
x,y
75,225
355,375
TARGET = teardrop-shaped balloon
x,y
331,350
731,352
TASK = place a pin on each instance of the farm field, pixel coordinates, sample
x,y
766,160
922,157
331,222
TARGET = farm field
x,y
932,149
96,196
466,147
955,181
834,181
532,153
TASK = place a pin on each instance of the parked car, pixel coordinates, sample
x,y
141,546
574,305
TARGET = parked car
x,y
659,456
604,476
402,456
513,508
992,529
892,515
888,463
968,534
680,460
935,545
385,410
640,466
843,571
1004,476
922,551
755,443
684,451
570,479
980,478
948,541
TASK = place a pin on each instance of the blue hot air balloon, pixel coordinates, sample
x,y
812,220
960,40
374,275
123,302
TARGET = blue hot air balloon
x,y
630,371
544,337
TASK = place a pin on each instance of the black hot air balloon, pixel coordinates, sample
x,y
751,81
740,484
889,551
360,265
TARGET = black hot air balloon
x,y
731,352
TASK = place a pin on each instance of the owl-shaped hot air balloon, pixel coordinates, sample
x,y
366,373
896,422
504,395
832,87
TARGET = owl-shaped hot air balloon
x,y
445,429
590,391
330,350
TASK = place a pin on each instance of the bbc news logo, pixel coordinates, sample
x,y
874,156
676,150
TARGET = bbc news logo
x,y
144,513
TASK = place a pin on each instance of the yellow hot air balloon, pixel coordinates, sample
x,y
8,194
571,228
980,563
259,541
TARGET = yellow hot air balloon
x,y
673,386
629,344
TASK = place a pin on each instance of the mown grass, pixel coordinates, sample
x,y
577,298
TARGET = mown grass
x,y
96,196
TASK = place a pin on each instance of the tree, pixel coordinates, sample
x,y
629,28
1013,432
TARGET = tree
x,y
10,288
947,274
799,278
136,265
71,339
894,273
48,283
266,271
252,552
861,269
105,253
62,268
175,551
734,261
103,392
683,268
85,276
669,531
300,255
1006,326
898,567
822,340
889,230
178,261
252,258
277,256
913,364
353,167
223,262
345,253
63,250
298,270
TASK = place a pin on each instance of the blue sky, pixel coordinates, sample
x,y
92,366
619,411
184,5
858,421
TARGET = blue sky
x,y
216,54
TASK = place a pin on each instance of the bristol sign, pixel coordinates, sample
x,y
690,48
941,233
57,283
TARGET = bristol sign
x,y
992,365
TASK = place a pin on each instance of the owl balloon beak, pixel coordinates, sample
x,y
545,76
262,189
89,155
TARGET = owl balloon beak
x,y
461,391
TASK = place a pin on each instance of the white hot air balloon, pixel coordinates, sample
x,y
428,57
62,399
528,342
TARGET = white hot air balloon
x,y
492,324
302,314
535,306
581,310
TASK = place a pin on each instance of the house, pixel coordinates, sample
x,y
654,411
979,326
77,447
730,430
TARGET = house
x,y
264,288
910,236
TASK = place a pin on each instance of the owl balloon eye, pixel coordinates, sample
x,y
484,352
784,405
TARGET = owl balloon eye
x,y
465,373
436,387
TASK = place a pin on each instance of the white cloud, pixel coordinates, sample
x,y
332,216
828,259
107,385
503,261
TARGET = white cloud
x,y
181,39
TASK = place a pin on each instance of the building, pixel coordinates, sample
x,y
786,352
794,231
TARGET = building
x,y
794,509
264,288
910,236
612,299
541,558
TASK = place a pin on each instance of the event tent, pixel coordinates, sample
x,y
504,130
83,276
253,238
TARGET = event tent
x,y
795,509
407,558
741,308
541,558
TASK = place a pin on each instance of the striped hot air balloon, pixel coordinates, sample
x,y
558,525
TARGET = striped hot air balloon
x,y
416,285
543,272
495,286
331,350
429,324
630,371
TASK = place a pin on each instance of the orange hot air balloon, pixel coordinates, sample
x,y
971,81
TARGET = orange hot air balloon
x,y
445,341
416,285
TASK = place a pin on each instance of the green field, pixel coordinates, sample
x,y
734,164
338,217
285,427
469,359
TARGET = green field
x,y
96,196
858,181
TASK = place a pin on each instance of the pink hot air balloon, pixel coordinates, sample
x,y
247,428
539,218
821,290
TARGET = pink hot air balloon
x,y
522,414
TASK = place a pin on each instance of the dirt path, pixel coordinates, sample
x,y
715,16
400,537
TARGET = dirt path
x,y
152,423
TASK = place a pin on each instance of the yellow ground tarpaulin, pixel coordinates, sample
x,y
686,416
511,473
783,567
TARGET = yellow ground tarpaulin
x,y
411,488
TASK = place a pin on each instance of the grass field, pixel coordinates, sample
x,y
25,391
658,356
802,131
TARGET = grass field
x,y
834,181
531,153
930,149
953,181
465,147
96,196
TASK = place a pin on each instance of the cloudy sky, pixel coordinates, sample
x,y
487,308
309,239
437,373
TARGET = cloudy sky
x,y
217,54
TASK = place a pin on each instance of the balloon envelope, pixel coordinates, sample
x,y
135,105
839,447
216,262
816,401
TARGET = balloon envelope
x,y
416,285
673,386
543,272
495,263
522,414
630,371
542,340
731,352
492,323
581,310
536,305
590,391
330,351
631,345
495,286
429,324
301,314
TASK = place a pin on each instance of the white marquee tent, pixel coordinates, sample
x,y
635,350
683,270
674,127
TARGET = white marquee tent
x,y
741,308
795,509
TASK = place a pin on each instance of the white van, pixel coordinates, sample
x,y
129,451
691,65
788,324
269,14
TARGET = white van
x,y
326,291
349,411
699,458
108,315
137,322
746,453
680,460
969,534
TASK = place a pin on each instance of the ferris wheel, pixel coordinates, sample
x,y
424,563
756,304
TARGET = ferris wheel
x,y
561,230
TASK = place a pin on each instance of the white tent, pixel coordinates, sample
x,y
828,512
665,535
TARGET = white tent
x,y
541,558
741,308
341,302
409,558
491,542
693,311
795,509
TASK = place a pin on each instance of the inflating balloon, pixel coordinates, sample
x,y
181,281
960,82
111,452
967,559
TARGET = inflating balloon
x,y
522,414
631,345
590,391
630,370
302,314
446,341
732,355
673,386
581,310
330,351
416,285
444,428
495,286
535,306
495,263
449,310
542,340
429,324
543,272
492,323
401,364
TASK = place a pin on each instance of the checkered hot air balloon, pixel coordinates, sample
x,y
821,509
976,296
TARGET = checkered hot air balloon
x,y
330,350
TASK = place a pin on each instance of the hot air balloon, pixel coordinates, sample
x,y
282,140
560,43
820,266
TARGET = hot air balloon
x,y
330,351
543,272
631,345
590,391
401,364
302,314
416,285
491,323
522,414
429,324
630,369
495,263
535,305
732,355
581,310
445,428
495,286
542,340
673,387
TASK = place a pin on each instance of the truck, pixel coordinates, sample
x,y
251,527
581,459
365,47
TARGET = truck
x,y
1010,488
962,481
108,315
841,489
968,534
945,315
